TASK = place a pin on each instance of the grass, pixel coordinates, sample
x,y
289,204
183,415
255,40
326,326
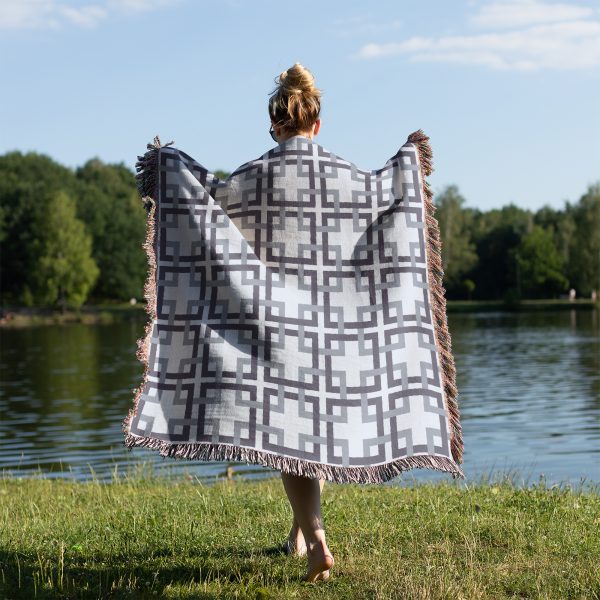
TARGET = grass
x,y
148,536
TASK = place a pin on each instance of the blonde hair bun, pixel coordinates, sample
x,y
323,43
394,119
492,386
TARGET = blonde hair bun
x,y
295,104
298,80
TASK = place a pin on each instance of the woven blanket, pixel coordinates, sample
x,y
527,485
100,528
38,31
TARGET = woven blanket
x,y
296,315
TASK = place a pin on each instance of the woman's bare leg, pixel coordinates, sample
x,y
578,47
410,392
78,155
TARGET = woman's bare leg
x,y
304,495
296,537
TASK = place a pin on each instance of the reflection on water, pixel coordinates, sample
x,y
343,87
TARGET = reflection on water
x,y
529,396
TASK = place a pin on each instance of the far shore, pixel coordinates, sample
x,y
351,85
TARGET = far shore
x,y
106,313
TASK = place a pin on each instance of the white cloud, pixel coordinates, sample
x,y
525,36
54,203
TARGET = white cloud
x,y
86,16
554,38
138,5
55,14
519,13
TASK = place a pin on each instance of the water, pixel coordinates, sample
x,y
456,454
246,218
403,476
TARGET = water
x,y
529,398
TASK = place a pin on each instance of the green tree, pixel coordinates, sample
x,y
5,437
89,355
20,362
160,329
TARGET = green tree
x,y
114,214
497,233
469,286
222,175
65,269
540,272
584,263
562,227
458,250
26,183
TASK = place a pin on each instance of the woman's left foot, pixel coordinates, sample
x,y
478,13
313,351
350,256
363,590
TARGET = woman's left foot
x,y
295,544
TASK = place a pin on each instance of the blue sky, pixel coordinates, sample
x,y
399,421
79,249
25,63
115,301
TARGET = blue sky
x,y
507,90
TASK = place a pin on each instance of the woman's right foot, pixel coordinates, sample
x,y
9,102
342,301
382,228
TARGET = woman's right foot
x,y
323,576
320,560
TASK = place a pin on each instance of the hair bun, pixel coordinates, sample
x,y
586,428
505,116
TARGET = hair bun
x,y
297,80
295,103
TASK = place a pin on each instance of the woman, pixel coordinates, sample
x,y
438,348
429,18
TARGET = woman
x,y
297,316
294,109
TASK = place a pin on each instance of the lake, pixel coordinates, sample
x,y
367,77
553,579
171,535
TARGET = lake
x,y
529,397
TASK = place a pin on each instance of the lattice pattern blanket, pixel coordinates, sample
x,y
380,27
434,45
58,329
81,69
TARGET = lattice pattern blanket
x,y
297,315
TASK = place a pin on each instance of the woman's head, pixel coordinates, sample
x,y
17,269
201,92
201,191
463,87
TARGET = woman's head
x,y
295,104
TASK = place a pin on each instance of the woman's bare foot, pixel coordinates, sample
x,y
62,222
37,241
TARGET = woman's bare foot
x,y
295,541
320,560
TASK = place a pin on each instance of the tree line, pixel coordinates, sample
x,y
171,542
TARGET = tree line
x,y
513,253
74,236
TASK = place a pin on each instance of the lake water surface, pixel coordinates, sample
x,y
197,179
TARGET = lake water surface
x,y
529,396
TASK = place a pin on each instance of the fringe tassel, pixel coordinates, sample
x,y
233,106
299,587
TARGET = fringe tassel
x,y
205,451
147,182
438,299
147,186
147,176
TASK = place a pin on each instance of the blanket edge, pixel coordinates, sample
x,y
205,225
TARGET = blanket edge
x,y
216,452
147,185
437,292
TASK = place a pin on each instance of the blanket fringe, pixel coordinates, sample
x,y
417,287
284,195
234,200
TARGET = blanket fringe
x,y
206,451
147,168
438,299
147,182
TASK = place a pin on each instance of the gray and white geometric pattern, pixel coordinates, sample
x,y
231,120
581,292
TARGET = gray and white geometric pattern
x,y
293,313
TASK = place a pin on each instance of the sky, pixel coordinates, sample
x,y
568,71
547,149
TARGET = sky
x,y
507,90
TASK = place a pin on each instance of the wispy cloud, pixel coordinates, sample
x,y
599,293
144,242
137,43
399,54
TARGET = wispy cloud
x,y
138,5
530,35
57,14
519,13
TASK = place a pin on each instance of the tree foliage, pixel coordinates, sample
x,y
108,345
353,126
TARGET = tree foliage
x,y
114,215
106,202
584,245
540,266
64,268
459,256
77,235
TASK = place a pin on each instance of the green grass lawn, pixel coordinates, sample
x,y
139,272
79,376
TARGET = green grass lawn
x,y
153,537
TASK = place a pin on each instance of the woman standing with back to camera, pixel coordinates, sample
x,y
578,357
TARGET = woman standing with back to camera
x,y
298,318
294,108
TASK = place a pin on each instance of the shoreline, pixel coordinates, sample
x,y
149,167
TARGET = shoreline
x,y
103,314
